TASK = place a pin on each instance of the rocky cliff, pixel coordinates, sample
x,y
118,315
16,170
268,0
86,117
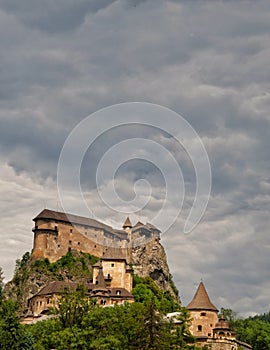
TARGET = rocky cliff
x,y
150,260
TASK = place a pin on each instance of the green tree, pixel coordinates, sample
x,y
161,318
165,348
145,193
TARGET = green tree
x,y
72,307
10,329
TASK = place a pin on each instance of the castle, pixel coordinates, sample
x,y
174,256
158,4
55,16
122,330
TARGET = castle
x,y
56,233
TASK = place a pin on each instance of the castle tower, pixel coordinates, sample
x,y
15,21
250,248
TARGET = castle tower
x,y
128,227
100,290
203,313
222,330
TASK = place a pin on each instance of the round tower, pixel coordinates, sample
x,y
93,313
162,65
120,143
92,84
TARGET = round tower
x,y
203,313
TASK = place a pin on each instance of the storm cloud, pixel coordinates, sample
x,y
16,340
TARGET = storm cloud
x,y
206,60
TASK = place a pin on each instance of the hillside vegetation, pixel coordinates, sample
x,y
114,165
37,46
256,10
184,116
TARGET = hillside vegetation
x,y
79,323
31,275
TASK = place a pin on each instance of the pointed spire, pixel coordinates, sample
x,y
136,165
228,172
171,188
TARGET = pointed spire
x,y
127,223
100,277
201,300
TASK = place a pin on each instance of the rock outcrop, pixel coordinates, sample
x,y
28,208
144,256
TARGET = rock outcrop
x,y
150,260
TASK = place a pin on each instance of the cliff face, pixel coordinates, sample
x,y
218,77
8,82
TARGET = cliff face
x,y
150,260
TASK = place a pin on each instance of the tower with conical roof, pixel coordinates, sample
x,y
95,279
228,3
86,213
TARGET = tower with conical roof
x,y
100,290
203,313
127,226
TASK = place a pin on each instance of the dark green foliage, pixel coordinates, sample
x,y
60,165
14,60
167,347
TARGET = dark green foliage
x,y
253,330
145,289
28,341
264,317
11,334
126,327
21,272
72,307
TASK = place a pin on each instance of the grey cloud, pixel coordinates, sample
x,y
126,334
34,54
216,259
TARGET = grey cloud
x,y
207,61
54,17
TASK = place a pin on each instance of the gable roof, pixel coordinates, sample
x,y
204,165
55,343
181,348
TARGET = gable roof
x,y
71,218
201,300
57,287
111,253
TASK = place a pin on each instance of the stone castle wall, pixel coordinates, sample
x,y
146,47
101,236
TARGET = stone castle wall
x,y
53,239
203,323
56,233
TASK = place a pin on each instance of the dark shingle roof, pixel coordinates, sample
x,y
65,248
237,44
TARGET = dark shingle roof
x,y
73,219
114,292
201,300
112,253
57,287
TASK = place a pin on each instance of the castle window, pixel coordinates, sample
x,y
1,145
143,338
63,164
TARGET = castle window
x,y
118,292
112,264
70,230
95,246
69,249
58,245
70,242
209,334
211,325
79,243
199,328
203,313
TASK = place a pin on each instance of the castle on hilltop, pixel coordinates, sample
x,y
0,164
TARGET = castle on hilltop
x,y
134,249
55,233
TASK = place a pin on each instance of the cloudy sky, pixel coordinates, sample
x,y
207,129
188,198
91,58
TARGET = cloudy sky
x,y
207,61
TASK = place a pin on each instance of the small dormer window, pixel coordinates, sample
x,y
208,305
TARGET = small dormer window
x,y
118,292
70,230
112,264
